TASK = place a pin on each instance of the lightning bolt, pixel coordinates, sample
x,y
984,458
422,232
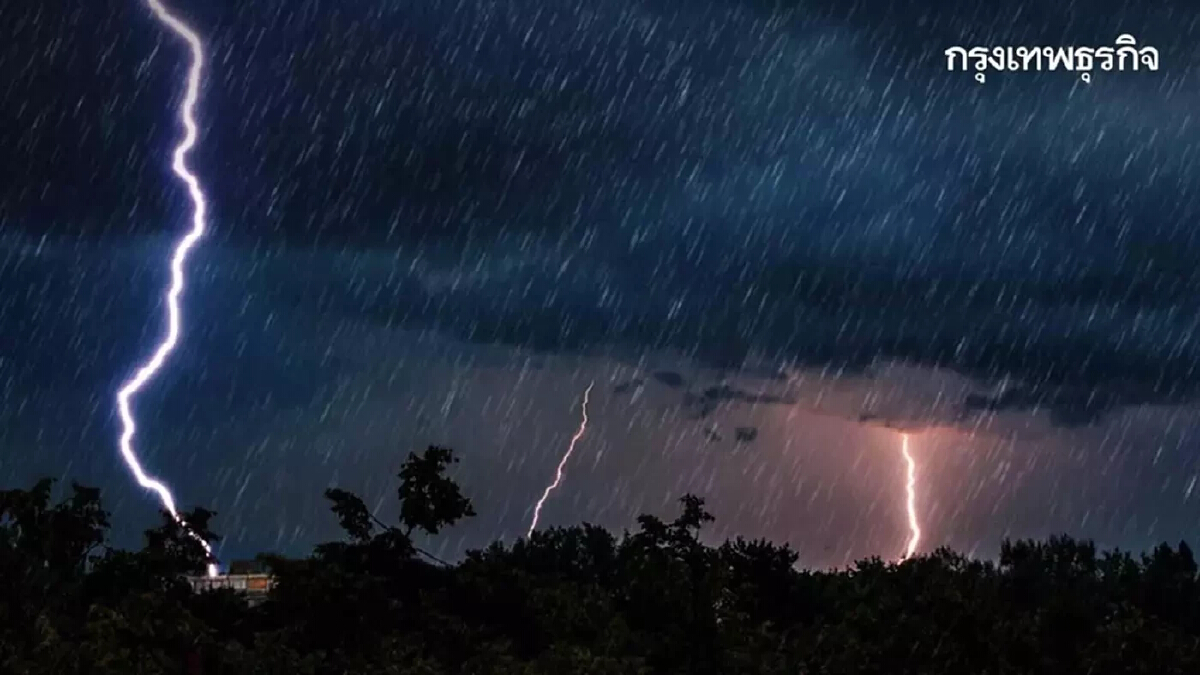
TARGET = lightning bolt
x,y
558,475
911,487
150,367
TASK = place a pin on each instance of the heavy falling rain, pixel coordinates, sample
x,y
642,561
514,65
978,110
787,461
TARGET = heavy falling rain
x,y
782,255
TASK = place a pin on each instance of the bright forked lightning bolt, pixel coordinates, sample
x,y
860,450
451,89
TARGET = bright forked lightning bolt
x,y
913,525
148,369
558,475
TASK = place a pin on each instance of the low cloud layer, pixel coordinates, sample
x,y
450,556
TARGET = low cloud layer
x,y
274,395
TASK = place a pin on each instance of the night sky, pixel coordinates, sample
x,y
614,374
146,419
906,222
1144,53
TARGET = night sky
x,y
774,234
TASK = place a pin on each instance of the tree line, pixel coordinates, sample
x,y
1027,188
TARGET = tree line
x,y
571,600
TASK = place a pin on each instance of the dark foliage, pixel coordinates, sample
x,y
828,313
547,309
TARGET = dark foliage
x,y
575,600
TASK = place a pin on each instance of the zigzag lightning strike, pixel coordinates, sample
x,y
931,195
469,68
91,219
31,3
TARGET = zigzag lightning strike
x,y
148,369
558,475
913,525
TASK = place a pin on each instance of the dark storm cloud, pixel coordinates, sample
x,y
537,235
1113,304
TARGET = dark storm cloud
x,y
707,401
745,434
626,387
1067,408
672,380
802,183
1075,356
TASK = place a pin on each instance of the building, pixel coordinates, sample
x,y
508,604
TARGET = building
x,y
245,577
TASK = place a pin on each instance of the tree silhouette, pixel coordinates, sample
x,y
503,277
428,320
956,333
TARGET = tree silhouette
x,y
572,600
428,499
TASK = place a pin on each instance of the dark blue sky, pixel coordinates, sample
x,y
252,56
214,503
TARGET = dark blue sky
x,y
436,222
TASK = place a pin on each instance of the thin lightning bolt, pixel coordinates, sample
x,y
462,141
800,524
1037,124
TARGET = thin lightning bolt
x,y
558,475
913,525
152,366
